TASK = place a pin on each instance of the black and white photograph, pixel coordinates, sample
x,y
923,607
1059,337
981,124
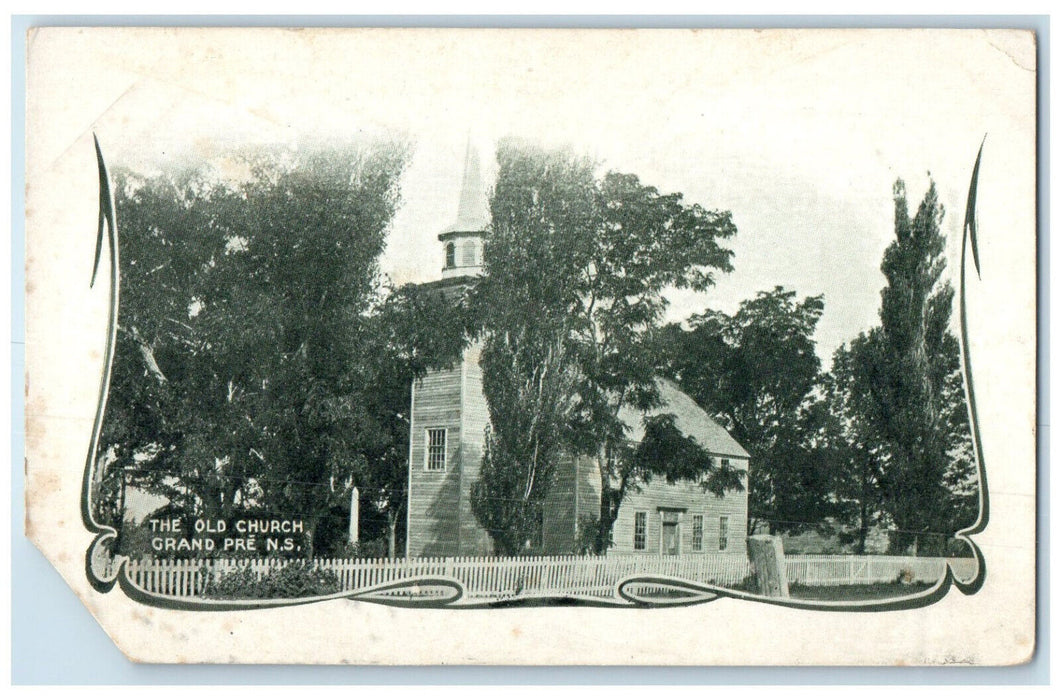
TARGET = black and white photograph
x,y
419,346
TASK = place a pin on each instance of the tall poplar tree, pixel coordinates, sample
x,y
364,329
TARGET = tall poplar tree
x,y
574,292
857,454
916,407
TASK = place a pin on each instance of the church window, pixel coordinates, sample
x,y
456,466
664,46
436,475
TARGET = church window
x,y
451,255
640,527
436,450
468,254
698,533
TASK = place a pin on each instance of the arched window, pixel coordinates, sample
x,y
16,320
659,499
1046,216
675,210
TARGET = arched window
x,y
468,254
451,255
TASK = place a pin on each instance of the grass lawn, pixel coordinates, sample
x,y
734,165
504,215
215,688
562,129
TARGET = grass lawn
x,y
872,591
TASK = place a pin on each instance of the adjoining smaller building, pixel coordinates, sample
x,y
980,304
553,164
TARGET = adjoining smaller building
x,y
449,417
660,518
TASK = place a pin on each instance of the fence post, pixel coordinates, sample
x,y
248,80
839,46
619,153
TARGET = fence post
x,y
768,557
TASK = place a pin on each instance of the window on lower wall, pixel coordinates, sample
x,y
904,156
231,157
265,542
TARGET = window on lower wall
x,y
640,529
436,450
723,533
698,533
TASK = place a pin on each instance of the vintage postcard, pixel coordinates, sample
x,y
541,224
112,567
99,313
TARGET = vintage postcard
x,y
513,346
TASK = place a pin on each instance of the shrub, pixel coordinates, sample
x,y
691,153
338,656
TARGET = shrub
x,y
134,540
957,548
293,580
748,584
589,534
370,549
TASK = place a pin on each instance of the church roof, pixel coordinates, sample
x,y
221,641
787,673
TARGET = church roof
x,y
473,212
452,287
689,418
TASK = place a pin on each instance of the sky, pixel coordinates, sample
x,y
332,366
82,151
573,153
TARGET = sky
x,y
800,135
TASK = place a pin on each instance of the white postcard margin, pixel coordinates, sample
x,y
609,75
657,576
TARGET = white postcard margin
x,y
82,81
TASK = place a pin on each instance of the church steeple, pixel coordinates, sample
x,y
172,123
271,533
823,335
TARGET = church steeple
x,y
463,239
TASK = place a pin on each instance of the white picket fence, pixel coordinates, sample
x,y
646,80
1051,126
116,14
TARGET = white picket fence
x,y
497,578
481,577
847,570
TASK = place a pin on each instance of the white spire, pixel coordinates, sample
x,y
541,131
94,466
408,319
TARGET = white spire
x,y
473,213
463,239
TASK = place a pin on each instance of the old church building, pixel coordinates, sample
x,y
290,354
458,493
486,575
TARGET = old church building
x,y
447,430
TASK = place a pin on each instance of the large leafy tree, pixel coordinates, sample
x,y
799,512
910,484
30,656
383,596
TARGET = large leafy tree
x,y
576,273
909,366
314,230
757,373
173,424
260,367
530,389
528,300
858,459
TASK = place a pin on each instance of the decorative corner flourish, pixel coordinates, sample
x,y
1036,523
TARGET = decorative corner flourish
x,y
969,242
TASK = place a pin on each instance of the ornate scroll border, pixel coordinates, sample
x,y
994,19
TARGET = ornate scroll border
x,y
103,572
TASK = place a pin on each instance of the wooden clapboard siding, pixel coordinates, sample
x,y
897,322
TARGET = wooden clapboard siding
x,y
475,416
433,525
441,519
687,500
575,496
587,489
559,519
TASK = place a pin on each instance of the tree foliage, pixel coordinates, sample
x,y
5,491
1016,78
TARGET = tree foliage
x,y
576,272
260,364
530,387
757,372
907,369
171,420
314,234
667,453
526,302
857,457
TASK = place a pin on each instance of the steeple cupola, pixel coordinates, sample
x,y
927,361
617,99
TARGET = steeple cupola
x,y
462,241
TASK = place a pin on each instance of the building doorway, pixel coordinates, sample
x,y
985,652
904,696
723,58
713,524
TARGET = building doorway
x,y
671,533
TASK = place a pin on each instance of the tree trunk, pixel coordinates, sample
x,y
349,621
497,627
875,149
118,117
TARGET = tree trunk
x,y
392,533
863,529
119,542
609,511
309,525
768,558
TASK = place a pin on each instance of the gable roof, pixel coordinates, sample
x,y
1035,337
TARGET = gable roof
x,y
692,420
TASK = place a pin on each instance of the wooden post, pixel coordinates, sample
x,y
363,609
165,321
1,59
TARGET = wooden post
x,y
355,515
768,558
